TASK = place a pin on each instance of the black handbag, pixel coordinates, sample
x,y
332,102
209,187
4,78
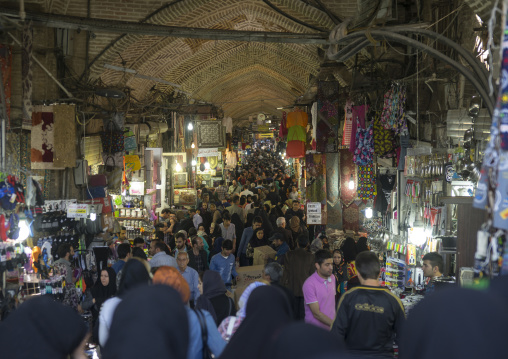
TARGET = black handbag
x,y
207,353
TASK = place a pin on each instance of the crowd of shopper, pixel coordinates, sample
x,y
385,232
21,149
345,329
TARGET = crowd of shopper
x,y
315,300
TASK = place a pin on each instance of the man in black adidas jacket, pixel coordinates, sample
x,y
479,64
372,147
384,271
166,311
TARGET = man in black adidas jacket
x,y
369,317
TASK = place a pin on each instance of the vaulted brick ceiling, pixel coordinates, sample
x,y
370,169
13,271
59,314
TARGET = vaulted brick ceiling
x,y
244,78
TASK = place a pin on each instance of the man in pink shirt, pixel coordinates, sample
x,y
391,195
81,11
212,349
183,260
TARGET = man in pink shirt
x,y
319,292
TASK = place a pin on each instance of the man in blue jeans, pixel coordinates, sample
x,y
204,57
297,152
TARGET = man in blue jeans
x,y
224,263
246,236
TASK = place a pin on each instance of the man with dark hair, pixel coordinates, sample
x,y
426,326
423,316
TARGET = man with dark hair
x,y
433,265
298,266
246,236
280,245
295,211
273,196
122,235
224,263
137,249
181,243
197,256
159,255
124,253
65,253
369,317
319,292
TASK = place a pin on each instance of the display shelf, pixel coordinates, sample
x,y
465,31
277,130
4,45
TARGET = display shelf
x,y
132,218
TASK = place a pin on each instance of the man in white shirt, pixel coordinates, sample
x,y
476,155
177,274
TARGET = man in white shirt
x,y
246,191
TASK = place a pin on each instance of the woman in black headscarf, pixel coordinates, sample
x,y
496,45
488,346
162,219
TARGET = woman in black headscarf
x,y
158,329
349,250
267,313
42,328
455,323
214,298
294,339
258,238
135,272
104,288
361,245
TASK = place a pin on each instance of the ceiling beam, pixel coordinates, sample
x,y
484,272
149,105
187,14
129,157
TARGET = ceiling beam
x,y
126,27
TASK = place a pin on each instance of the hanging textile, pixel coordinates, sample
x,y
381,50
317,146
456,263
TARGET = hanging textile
x,y
228,123
65,136
6,65
359,114
366,182
348,123
384,140
364,151
297,118
27,73
283,130
297,133
393,115
334,207
327,125
316,182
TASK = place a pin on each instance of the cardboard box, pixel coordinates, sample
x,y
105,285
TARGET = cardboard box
x,y
262,254
247,275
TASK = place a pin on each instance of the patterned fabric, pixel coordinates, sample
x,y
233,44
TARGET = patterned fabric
x,y
327,122
393,116
383,140
348,123
334,208
359,113
316,182
366,182
364,151
27,73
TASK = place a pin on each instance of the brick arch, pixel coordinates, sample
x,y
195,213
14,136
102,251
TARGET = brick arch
x,y
225,87
194,72
190,13
137,49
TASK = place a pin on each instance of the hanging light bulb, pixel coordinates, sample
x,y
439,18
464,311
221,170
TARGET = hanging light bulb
x,y
207,165
178,167
190,127
193,163
93,215
24,231
192,145
351,184
368,212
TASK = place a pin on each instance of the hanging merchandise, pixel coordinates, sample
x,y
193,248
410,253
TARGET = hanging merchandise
x,y
112,140
384,140
283,130
130,141
364,151
297,133
297,118
359,114
366,182
295,149
393,115
348,123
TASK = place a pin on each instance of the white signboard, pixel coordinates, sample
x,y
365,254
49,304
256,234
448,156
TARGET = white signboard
x,y
77,210
313,213
208,152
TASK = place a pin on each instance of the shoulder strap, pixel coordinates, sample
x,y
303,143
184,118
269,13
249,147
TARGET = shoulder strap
x,y
204,331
